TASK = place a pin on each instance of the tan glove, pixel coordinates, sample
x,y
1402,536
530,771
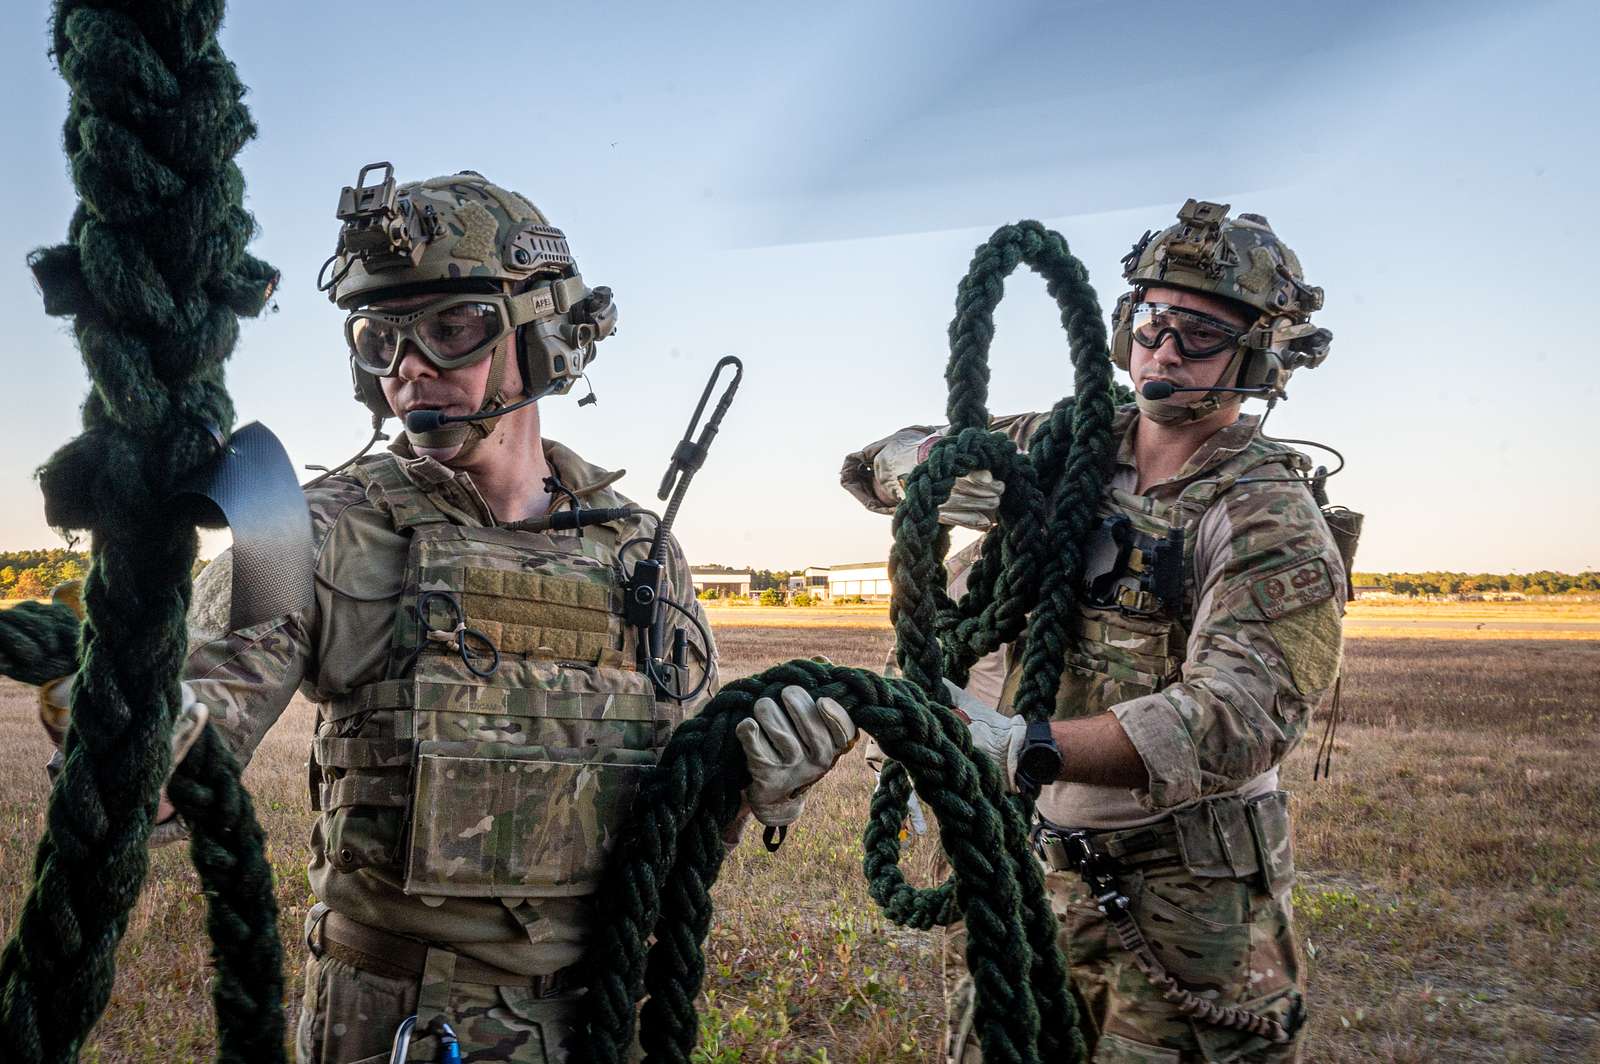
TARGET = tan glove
x,y
877,475
997,736
788,748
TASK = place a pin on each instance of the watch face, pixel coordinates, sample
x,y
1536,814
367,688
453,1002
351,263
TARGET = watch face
x,y
1042,763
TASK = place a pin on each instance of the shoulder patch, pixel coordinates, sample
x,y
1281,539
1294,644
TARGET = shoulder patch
x,y
1293,587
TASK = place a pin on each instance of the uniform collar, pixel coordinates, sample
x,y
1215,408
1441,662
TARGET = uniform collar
x,y
583,479
1217,448
587,481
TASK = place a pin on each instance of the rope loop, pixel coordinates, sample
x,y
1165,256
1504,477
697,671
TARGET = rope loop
x,y
656,893
657,888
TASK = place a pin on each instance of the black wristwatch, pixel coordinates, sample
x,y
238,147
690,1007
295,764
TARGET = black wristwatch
x,y
1039,763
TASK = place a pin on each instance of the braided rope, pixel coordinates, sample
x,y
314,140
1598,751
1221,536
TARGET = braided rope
x,y
1020,591
155,276
38,642
670,852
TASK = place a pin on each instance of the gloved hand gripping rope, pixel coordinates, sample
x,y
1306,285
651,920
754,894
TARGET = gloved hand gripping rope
x,y
660,879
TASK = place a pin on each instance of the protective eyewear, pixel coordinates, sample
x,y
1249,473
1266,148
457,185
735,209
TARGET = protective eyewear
x,y
452,331
1198,336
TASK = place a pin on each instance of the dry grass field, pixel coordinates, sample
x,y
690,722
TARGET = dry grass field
x,y
1449,903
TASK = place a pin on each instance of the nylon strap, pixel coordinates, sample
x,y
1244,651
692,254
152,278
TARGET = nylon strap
x,y
433,996
380,793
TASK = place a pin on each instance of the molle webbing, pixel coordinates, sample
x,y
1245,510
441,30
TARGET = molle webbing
x,y
385,694
371,792
366,787
424,696
1119,654
542,614
334,752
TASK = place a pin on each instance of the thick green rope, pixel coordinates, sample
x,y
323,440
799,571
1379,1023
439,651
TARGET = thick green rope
x,y
1021,591
1021,588
155,277
670,853
38,642
112,480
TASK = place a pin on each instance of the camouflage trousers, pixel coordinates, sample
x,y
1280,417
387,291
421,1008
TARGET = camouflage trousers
x,y
349,1015
1225,939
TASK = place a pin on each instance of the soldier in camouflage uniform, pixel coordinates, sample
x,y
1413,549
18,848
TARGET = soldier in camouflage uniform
x,y
482,718
1208,630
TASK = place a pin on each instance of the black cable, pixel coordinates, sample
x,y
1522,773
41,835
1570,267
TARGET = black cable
x,y
377,434
705,635
635,541
461,632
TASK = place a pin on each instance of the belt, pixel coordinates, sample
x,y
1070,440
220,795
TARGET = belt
x,y
397,957
1212,838
1148,845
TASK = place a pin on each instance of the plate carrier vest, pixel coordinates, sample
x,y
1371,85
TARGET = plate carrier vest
x,y
457,780
1131,629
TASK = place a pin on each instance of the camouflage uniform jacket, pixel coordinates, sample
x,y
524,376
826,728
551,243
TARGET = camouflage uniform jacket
x,y
345,645
1218,694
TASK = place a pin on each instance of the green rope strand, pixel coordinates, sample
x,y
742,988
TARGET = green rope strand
x,y
38,642
659,887
154,276
657,890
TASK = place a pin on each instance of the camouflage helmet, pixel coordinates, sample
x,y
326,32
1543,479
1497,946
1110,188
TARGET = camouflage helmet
x,y
465,232
1241,260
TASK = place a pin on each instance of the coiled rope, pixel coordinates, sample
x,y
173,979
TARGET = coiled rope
x,y
658,887
155,276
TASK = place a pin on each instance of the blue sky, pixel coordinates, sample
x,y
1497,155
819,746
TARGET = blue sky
x,y
803,186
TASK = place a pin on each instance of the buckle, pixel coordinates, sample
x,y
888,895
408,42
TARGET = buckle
x,y
1075,851
1136,600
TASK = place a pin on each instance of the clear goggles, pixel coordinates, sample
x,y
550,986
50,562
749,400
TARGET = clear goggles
x,y
1198,336
452,331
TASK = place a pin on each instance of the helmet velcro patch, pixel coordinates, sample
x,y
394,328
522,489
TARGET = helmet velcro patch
x,y
479,231
1263,267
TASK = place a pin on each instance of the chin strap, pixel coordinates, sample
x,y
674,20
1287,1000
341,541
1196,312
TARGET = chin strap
x,y
1199,405
464,436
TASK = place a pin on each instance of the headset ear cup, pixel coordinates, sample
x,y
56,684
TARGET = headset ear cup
x,y
524,363
369,393
1247,370
1259,367
1121,335
1121,348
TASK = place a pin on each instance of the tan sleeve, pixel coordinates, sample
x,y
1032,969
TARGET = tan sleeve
x,y
244,677
865,477
1264,650
1019,428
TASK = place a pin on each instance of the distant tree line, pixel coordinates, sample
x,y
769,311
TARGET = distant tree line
x,y
32,573
1543,582
760,579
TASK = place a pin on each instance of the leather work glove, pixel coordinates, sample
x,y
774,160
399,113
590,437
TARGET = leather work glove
x,y
789,747
996,735
882,468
